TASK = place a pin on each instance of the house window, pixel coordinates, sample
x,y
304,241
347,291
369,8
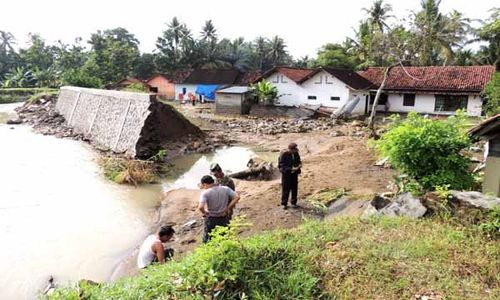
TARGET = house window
x,y
335,98
381,101
283,79
184,91
450,102
311,97
409,100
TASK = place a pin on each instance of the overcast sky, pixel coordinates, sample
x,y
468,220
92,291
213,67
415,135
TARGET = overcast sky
x,y
305,25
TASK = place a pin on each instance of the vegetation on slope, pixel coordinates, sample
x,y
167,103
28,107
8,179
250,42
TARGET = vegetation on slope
x,y
347,258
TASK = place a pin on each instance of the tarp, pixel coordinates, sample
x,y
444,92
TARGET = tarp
x,y
207,90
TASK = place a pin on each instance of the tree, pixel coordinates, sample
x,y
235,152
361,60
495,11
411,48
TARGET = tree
x,y
260,49
277,50
378,14
115,53
7,41
176,47
490,33
266,92
9,59
335,56
145,66
208,32
38,55
19,78
492,92
439,34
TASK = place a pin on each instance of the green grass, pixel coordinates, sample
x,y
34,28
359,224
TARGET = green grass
x,y
347,258
12,95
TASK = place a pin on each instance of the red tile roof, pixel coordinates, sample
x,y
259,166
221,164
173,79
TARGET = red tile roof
x,y
248,77
351,78
295,74
445,79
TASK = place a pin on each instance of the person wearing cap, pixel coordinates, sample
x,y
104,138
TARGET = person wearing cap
x,y
220,177
289,164
215,204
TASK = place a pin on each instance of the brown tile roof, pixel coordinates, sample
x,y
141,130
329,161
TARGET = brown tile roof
x,y
202,76
295,74
177,77
444,79
248,77
351,78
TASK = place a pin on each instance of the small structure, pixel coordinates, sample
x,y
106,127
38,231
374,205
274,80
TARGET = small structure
x,y
489,130
234,100
164,85
127,82
203,83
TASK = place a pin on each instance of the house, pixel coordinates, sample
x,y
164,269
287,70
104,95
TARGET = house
x,y
203,83
233,100
164,85
434,90
324,86
489,130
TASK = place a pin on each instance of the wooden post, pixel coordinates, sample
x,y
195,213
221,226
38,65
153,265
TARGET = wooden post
x,y
371,119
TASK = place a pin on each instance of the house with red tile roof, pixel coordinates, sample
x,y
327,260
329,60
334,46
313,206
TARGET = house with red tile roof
x,y
165,84
433,90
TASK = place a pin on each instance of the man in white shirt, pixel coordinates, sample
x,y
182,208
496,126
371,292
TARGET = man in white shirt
x,y
215,204
152,249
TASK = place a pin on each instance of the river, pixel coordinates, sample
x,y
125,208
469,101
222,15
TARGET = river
x,y
60,217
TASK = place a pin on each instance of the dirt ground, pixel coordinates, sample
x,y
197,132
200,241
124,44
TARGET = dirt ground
x,y
343,161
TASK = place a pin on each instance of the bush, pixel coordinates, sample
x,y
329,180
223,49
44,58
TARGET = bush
x,y
129,171
11,95
429,151
492,91
347,258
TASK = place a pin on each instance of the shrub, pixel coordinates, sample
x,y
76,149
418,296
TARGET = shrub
x,y
429,151
266,92
492,91
129,171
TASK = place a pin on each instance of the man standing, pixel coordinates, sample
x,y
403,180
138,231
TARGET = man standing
x,y
215,204
152,248
220,177
289,165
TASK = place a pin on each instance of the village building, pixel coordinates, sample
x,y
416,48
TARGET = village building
x,y
202,84
164,85
432,90
127,82
234,100
489,130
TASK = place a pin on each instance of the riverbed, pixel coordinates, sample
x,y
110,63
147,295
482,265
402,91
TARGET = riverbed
x,y
59,217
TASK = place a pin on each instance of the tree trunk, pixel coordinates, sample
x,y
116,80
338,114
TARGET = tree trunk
x,y
371,119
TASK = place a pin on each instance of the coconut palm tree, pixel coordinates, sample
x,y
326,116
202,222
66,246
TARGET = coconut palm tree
x,y
6,41
208,31
277,50
261,46
379,13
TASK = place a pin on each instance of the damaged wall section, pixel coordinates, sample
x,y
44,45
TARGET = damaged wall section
x,y
123,122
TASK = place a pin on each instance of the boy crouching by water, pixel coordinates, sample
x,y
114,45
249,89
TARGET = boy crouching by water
x,y
152,249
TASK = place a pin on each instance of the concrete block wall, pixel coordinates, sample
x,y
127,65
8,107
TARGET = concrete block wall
x,y
115,120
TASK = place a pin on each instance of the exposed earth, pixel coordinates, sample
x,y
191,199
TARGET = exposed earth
x,y
334,156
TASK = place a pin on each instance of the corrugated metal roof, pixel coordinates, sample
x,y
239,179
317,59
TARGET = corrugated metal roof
x,y
235,90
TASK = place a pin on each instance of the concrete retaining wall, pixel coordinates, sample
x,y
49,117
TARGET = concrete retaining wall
x,y
116,121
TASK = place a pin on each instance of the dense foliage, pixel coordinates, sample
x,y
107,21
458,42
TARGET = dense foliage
x,y
426,37
492,91
346,258
429,151
266,92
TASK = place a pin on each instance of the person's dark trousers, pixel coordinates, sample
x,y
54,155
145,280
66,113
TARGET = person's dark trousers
x,y
169,253
211,223
289,184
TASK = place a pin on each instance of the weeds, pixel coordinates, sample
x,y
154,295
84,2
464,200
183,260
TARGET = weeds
x,y
320,200
134,172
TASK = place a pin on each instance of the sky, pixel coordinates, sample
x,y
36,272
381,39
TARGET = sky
x,y
304,25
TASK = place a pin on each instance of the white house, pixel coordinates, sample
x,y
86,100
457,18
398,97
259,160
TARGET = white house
x,y
434,90
203,83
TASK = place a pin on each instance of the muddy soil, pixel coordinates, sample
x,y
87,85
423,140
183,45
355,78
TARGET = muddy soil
x,y
335,156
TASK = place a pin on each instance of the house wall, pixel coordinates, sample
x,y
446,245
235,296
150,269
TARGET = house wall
x,y
289,91
491,183
424,103
226,103
190,88
322,85
166,89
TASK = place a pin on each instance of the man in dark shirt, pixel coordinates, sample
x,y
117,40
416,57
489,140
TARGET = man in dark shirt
x,y
289,164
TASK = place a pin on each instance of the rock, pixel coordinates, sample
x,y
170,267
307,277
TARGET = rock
x,y
382,162
405,205
336,133
15,121
476,199
379,202
189,224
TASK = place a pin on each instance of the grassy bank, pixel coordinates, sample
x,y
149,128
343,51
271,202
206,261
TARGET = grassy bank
x,y
12,95
386,258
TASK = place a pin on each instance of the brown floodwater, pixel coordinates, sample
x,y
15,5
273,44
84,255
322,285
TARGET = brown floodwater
x,y
60,217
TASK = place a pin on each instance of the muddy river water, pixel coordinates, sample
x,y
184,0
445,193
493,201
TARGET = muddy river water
x,y
60,217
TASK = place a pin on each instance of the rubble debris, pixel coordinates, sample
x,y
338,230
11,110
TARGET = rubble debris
x,y
257,169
